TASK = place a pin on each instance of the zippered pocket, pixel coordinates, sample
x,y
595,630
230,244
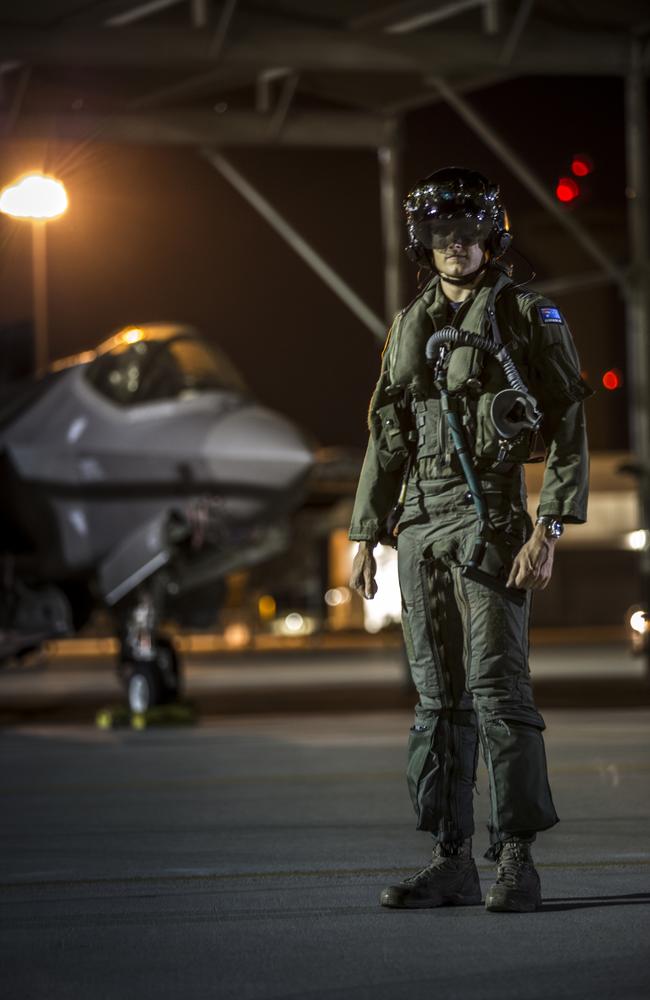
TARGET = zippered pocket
x,y
423,773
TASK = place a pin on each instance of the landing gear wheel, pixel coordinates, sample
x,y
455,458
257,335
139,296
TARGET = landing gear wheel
x,y
152,682
167,664
144,687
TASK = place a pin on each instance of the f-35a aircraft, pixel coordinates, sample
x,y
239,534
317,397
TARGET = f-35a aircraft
x,y
136,477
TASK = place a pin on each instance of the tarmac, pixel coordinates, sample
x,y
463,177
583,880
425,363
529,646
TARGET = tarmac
x,y
243,858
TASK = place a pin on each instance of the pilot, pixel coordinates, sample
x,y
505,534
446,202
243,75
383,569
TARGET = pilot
x,y
468,643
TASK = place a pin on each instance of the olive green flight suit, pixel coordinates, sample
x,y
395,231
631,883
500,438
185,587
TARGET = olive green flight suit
x,y
468,645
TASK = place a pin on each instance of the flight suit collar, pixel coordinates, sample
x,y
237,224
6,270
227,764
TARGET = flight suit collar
x,y
494,279
472,315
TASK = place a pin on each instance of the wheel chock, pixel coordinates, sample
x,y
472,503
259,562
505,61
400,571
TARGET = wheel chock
x,y
112,717
172,714
175,713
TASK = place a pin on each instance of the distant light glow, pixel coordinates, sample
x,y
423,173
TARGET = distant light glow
x,y
266,606
582,165
336,596
237,634
638,540
566,189
612,379
132,336
639,621
294,622
35,196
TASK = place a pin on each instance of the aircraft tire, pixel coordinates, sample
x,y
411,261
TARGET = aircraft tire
x,y
144,687
168,669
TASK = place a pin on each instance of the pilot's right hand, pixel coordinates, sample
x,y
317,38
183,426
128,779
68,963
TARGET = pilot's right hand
x,y
364,568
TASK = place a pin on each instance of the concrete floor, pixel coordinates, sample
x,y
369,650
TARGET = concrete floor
x,y
243,859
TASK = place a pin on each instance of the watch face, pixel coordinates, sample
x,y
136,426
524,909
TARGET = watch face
x,y
553,526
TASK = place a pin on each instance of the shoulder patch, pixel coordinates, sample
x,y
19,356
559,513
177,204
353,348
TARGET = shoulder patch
x,y
549,314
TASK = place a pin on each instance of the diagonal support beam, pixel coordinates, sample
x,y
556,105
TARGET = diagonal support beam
x,y
571,283
305,251
508,155
516,31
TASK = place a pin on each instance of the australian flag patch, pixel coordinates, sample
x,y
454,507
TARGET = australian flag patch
x,y
549,314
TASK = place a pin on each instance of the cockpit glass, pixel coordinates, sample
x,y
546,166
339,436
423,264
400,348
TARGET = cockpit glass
x,y
150,370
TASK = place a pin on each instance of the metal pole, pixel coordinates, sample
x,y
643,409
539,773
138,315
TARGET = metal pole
x,y
39,289
390,186
200,13
523,172
287,94
304,250
638,293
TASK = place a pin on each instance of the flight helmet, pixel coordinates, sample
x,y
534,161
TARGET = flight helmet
x,y
455,203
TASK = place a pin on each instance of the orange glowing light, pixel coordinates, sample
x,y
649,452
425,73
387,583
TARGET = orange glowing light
x,y
35,196
132,336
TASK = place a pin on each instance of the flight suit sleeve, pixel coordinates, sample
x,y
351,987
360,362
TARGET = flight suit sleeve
x,y
378,484
560,391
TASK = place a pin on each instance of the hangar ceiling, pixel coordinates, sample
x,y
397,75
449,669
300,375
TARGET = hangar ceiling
x,y
293,72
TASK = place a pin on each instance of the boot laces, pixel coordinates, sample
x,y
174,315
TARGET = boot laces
x,y
514,863
440,862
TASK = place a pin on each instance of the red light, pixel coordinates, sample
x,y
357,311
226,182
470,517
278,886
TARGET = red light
x,y
566,189
581,166
612,379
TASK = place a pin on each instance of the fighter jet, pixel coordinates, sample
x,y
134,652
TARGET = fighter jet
x,y
136,477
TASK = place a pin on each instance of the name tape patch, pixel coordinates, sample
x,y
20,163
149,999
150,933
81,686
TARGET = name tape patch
x,y
549,314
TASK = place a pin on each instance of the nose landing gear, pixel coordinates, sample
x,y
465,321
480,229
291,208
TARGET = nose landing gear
x,y
153,681
148,664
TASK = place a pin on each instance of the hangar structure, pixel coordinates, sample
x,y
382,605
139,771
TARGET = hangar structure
x,y
337,74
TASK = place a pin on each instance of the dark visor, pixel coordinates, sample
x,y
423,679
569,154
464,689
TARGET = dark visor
x,y
436,233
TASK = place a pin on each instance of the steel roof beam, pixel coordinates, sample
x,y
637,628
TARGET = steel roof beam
x,y
345,130
431,16
197,82
542,51
138,13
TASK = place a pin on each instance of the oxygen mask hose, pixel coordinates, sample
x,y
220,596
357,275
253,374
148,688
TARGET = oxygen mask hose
x,y
513,409
471,569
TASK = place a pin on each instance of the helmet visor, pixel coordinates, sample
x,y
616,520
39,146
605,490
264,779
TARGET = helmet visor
x,y
436,233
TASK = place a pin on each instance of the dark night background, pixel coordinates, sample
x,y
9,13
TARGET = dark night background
x,y
155,233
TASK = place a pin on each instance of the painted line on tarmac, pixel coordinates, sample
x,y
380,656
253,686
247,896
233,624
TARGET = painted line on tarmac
x,y
318,874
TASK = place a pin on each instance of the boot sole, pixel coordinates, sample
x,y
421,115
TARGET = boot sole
x,y
455,899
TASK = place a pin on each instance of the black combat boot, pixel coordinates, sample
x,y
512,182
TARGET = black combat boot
x,y
450,880
517,888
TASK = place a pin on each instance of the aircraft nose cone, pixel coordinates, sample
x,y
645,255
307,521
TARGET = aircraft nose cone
x,y
257,446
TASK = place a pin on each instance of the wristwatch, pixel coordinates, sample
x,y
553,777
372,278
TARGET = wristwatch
x,y
553,525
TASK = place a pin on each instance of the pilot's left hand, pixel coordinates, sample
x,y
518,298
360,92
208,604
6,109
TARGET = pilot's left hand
x,y
533,564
